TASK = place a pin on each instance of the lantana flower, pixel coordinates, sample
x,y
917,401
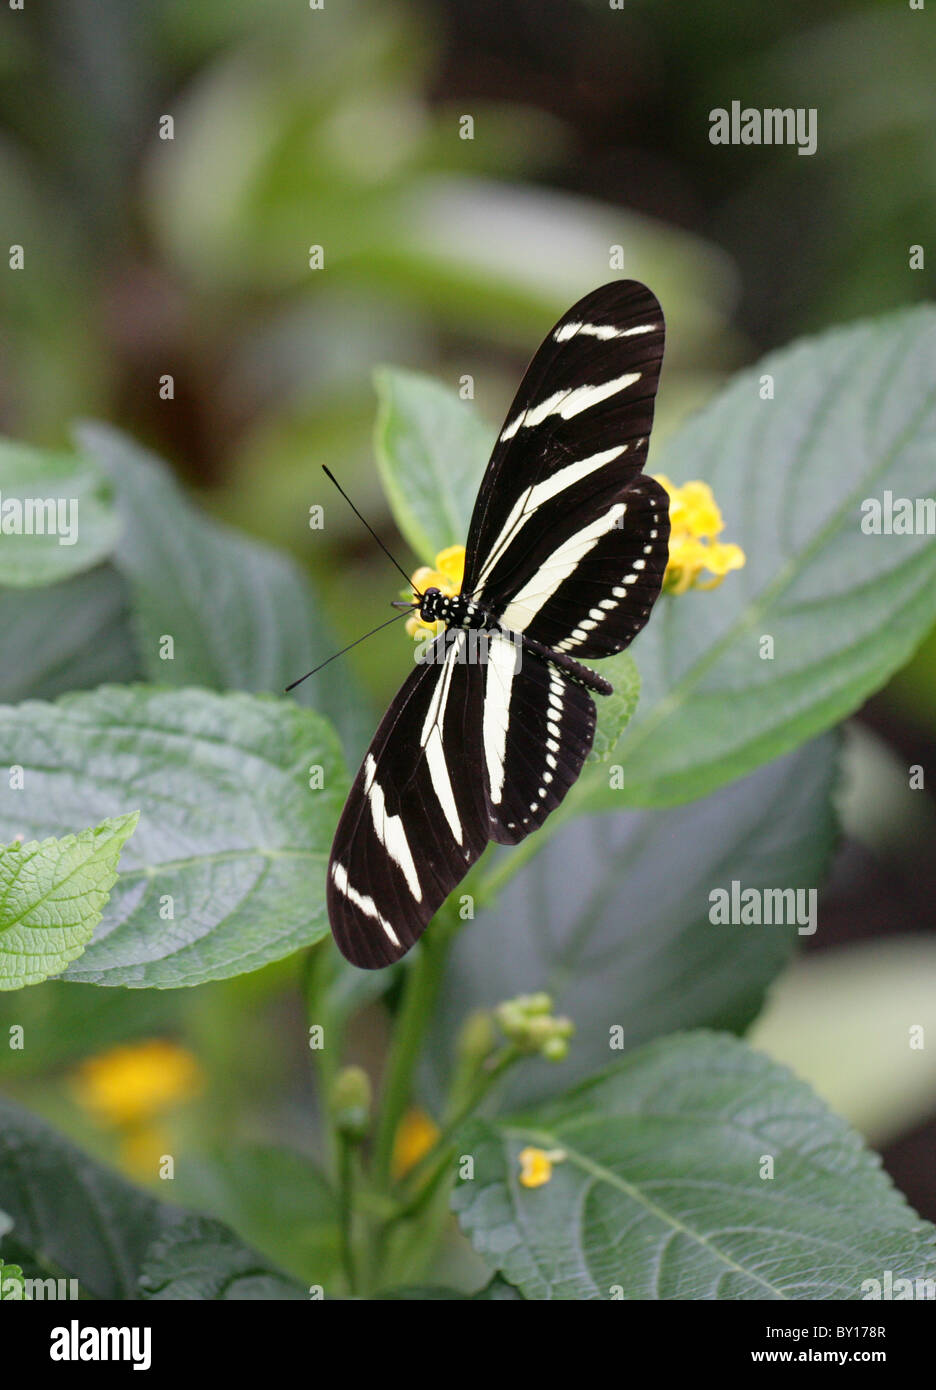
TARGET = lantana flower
x,y
129,1087
695,524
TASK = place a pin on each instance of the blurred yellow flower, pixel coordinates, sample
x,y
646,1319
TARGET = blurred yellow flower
x,y
129,1084
695,522
448,575
536,1165
415,1136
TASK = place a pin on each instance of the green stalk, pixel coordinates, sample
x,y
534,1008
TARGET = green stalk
x,y
436,1160
325,1060
421,991
346,1161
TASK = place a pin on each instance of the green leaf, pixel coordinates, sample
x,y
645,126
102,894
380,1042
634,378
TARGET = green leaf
x,y
497,1290
74,1218
275,1199
56,517
67,636
614,711
241,615
431,451
853,415
51,898
661,1193
202,1260
613,919
232,841
11,1280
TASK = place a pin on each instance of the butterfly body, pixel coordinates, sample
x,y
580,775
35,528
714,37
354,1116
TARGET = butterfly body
x,y
564,559
455,610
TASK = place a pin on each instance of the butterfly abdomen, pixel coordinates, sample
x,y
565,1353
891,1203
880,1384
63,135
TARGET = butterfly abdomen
x,y
572,670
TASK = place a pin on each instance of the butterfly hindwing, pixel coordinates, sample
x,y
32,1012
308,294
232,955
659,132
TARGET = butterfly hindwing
x,y
416,818
538,729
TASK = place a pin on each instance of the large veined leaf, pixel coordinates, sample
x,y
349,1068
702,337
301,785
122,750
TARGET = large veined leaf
x,y
51,898
240,614
694,1169
74,1218
202,1260
67,636
853,416
613,918
226,871
431,449
56,516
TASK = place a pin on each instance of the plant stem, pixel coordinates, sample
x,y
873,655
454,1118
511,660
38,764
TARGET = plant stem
x,y
423,982
438,1158
325,1060
346,1209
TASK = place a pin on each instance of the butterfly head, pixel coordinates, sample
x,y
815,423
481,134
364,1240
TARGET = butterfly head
x,y
434,606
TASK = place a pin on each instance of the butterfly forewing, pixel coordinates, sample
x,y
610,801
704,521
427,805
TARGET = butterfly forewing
x,y
565,554
578,428
594,577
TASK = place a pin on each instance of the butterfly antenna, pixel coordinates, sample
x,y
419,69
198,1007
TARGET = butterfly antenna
x,y
395,619
329,474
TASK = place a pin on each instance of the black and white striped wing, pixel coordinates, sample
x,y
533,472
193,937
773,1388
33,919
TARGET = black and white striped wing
x,y
468,752
537,731
569,541
415,819
567,547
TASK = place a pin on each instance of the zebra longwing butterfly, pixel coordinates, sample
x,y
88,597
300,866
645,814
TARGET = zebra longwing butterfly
x,y
565,557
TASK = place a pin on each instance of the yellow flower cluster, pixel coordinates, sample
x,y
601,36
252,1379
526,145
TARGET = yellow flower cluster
x,y
695,524
448,575
129,1087
133,1082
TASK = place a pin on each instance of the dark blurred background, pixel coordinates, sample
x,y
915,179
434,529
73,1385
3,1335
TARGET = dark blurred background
x,y
340,128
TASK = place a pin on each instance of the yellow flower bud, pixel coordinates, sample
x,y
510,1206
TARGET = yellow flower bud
x,y
536,1165
415,1136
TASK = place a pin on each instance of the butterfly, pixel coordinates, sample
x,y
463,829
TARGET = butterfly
x,y
565,556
